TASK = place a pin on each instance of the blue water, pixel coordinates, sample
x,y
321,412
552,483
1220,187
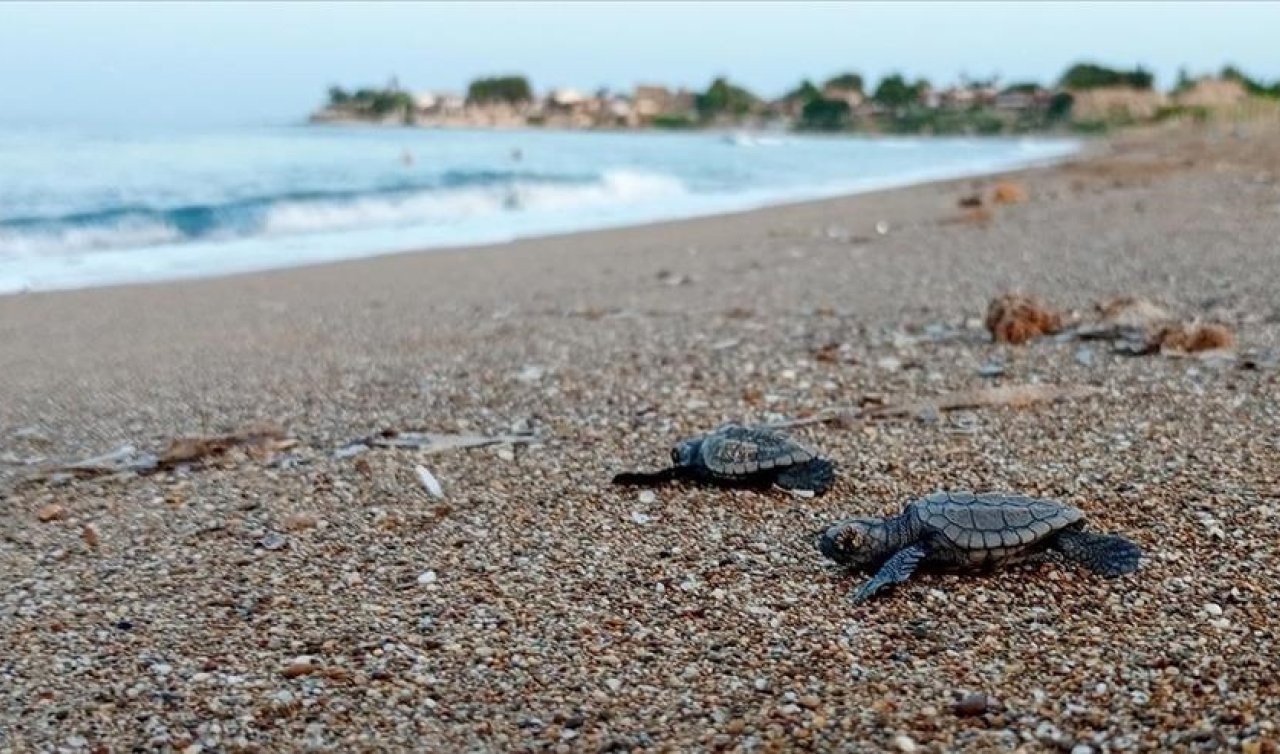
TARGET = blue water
x,y
81,209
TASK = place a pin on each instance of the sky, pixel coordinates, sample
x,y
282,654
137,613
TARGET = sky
x,y
260,62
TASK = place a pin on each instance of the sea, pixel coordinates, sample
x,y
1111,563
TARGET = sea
x,y
89,208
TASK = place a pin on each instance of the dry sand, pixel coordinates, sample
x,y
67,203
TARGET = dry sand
x,y
536,607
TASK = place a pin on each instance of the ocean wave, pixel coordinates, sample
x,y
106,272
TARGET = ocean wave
x,y
449,197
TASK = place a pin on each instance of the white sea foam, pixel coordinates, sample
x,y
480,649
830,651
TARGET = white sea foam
x,y
220,203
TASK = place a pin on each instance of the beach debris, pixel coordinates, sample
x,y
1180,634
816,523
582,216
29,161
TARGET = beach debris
x,y
52,512
429,482
991,369
1133,312
273,540
674,279
834,353
123,458
1259,360
1195,338
351,450
1017,318
261,439
90,536
531,373
971,705
977,216
1013,396
970,200
882,228
1008,192
436,442
299,521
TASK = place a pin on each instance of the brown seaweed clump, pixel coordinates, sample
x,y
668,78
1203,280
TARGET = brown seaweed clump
x,y
1017,318
1194,338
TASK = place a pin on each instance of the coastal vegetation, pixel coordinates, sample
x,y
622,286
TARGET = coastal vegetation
x,y
1087,98
511,90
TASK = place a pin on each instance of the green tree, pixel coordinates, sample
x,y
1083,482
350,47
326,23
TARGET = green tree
x,y
845,82
893,91
338,96
822,114
724,98
1251,85
504,89
805,92
1060,107
1093,76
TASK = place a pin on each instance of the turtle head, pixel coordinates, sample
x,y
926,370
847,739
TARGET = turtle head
x,y
685,453
852,542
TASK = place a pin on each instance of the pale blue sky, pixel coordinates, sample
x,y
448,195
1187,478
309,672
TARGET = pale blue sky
x,y
239,62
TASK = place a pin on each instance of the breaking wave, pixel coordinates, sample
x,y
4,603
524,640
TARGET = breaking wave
x,y
450,198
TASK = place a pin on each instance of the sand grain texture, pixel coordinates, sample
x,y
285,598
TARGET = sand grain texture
x,y
299,600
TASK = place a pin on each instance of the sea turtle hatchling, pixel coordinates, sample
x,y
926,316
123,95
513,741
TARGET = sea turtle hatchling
x,y
738,456
964,531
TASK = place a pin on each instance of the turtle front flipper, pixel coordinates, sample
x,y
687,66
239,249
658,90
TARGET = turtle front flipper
x,y
1104,554
817,475
648,478
895,570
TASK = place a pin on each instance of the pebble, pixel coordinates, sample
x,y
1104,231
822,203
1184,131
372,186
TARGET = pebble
x,y
273,541
1213,609
531,373
296,669
89,534
889,363
299,521
639,518
905,744
648,497
52,512
1084,356
971,705
427,577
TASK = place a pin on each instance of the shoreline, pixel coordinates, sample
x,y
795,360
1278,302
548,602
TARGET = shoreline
x,y
1079,149
286,596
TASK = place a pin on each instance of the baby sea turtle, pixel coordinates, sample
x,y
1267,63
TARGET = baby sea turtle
x,y
737,456
964,531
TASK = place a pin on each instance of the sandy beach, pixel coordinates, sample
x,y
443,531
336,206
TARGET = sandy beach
x,y
288,599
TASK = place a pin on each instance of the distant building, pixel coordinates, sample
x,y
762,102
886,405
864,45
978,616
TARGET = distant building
x,y
1023,100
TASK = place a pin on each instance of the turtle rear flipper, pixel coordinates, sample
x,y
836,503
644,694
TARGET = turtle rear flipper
x,y
817,475
1104,554
647,478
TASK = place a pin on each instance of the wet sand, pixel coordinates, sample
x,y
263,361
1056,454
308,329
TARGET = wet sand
x,y
536,606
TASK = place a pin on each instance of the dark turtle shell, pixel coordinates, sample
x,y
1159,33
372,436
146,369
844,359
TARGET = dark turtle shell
x,y
992,521
736,451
